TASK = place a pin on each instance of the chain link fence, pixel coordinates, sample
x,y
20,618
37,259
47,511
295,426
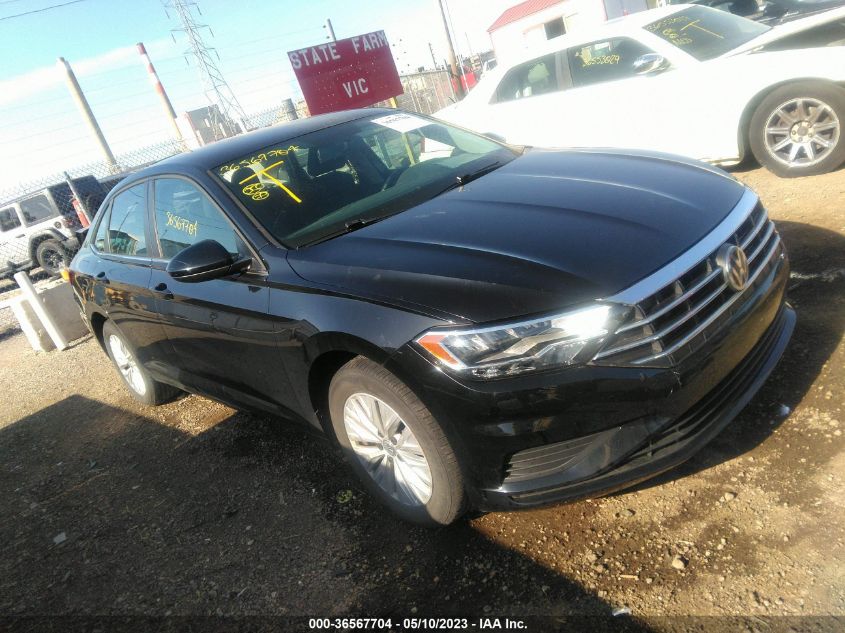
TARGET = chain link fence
x,y
40,220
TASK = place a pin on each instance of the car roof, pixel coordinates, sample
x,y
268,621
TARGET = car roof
x,y
220,152
616,26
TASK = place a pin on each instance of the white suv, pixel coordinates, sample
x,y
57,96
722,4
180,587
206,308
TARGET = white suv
x,y
33,232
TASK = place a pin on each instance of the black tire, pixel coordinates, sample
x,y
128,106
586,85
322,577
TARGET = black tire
x,y
829,94
51,256
149,391
448,497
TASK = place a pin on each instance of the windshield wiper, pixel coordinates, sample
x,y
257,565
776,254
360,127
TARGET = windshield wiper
x,y
348,227
463,179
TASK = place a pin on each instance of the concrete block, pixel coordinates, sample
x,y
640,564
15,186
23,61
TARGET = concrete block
x,y
64,310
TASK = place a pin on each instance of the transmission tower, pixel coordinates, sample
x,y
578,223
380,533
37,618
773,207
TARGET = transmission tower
x,y
217,91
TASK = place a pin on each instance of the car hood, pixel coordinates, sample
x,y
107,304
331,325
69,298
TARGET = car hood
x,y
548,230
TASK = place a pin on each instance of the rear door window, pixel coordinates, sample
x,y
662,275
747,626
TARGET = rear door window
x,y
101,238
184,215
9,219
529,79
37,209
128,223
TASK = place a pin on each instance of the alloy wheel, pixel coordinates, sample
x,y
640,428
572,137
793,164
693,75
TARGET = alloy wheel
x,y
802,132
388,449
127,365
52,261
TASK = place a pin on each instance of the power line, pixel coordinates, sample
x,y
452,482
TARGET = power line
x,y
217,90
55,6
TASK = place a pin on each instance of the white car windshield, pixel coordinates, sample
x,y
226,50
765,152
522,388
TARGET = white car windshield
x,y
706,33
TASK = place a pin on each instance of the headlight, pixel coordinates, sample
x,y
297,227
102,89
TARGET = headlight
x,y
510,349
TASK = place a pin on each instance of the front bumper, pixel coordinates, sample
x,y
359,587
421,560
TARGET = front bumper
x,y
626,455
584,431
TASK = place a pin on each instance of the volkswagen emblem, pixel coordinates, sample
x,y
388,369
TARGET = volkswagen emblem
x,y
731,259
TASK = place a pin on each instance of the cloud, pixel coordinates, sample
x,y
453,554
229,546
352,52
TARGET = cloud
x,y
26,85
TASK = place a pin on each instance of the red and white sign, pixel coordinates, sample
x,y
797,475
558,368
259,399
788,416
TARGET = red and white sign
x,y
351,73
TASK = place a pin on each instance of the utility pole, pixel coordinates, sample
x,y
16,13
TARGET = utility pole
x,y
328,26
453,62
87,114
433,58
217,91
165,101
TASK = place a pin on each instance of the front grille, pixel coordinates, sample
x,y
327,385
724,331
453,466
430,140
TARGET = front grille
x,y
668,325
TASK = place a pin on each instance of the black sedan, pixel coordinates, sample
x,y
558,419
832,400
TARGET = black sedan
x,y
476,325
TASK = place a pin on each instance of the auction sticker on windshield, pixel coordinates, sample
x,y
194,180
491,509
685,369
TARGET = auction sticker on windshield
x,y
401,122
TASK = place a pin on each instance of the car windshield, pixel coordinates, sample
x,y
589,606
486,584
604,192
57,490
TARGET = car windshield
x,y
706,33
312,187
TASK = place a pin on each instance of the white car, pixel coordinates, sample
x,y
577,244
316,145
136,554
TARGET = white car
x,y
683,79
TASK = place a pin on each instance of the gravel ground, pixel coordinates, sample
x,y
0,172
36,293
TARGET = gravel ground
x,y
112,508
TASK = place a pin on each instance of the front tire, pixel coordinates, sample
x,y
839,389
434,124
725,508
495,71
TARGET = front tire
x,y
136,378
395,445
797,130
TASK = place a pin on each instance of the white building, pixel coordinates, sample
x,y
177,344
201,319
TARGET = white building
x,y
534,21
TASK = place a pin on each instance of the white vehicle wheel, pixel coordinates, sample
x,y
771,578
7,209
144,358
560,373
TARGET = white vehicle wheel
x,y
797,130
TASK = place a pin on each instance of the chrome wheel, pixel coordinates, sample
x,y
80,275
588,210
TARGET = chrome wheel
x,y
802,132
388,449
127,365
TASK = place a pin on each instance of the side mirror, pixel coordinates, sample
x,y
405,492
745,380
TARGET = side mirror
x,y
650,64
205,260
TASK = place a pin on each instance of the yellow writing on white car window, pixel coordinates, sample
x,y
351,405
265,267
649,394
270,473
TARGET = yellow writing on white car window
x,y
603,60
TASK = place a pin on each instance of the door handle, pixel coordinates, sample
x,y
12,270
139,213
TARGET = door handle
x,y
163,291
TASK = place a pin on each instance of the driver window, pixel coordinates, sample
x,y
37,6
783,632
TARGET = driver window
x,y
184,215
607,60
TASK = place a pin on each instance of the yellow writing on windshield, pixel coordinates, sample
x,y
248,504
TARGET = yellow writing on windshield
x,y
672,29
261,158
276,181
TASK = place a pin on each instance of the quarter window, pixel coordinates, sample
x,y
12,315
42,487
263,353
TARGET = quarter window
x,y
184,216
607,60
9,219
127,224
539,76
101,240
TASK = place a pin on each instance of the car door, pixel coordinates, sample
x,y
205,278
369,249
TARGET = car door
x,y
118,276
616,106
14,249
223,341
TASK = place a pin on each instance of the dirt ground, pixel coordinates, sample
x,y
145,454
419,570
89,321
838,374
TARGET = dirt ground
x,y
111,508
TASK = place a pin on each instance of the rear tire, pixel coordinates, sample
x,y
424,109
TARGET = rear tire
x,y
799,129
137,379
395,445
51,257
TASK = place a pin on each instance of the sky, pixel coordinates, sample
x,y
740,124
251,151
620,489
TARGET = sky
x,y
42,132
